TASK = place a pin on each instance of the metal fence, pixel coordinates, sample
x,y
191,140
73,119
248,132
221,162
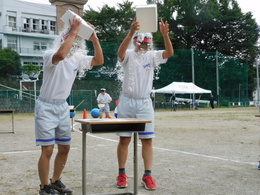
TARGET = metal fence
x,y
225,76
24,102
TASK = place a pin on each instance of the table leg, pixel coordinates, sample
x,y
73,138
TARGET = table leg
x,y
135,164
84,167
13,122
72,129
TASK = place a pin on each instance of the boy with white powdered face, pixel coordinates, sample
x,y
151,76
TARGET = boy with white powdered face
x,y
138,67
67,59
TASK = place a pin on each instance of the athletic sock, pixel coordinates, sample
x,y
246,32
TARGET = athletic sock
x,y
147,172
121,170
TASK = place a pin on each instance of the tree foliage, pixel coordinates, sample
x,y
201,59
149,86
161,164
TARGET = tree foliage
x,y
31,70
111,24
10,63
215,25
208,26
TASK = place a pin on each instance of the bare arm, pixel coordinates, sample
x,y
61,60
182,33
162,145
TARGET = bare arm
x,y
98,58
124,45
64,49
164,28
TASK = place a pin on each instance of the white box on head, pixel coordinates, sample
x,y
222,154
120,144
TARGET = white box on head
x,y
146,15
85,30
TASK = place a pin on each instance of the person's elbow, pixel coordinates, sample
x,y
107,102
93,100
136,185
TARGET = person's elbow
x,y
59,56
121,55
168,54
97,61
171,53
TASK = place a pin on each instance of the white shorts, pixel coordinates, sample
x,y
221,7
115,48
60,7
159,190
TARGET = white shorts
x,y
105,109
52,122
141,108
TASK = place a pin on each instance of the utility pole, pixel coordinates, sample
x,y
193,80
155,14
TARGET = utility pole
x,y
257,81
217,77
193,74
239,88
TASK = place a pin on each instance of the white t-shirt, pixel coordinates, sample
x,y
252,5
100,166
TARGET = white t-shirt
x,y
139,72
104,99
58,78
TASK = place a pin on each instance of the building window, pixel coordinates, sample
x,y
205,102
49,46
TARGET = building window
x,y
43,46
12,21
33,63
39,46
26,24
52,25
36,46
35,24
11,43
44,25
26,63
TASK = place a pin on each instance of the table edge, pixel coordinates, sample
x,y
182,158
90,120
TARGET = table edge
x,y
108,121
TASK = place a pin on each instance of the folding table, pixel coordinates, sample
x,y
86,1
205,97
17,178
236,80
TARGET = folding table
x,y
111,126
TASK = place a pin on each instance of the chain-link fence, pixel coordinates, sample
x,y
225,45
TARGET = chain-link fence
x,y
225,76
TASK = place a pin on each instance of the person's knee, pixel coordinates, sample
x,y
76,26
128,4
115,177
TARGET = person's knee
x,y
47,151
63,149
124,141
147,142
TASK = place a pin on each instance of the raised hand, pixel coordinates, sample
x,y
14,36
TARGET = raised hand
x,y
135,26
75,25
94,35
164,27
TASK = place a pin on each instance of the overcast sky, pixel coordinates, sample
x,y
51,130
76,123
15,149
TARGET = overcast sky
x,y
245,5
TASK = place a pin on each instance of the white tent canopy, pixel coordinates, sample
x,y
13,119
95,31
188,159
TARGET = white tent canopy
x,y
181,88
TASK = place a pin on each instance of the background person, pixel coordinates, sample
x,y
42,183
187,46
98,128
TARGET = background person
x,y
52,117
138,66
173,103
152,96
211,101
104,98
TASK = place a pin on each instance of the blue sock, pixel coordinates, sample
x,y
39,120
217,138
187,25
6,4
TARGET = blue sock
x,y
121,170
147,172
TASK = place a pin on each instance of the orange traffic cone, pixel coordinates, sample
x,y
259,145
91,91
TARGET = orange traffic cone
x,y
85,116
107,116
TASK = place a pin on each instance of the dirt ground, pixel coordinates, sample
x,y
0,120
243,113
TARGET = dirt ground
x,y
196,152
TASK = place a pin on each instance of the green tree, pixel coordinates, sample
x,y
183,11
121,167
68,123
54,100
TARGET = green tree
x,y
211,26
216,25
31,70
111,24
205,26
10,63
